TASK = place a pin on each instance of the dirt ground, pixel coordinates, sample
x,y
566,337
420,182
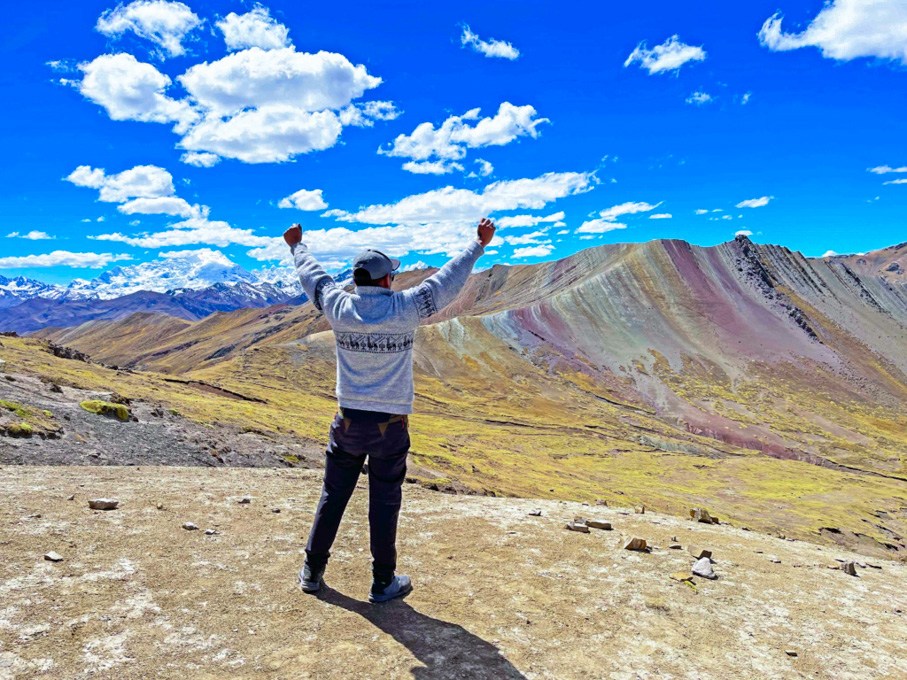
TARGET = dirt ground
x,y
498,593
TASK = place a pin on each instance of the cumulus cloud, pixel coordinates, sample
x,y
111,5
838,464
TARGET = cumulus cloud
x,y
490,48
533,251
142,181
629,208
884,169
485,168
743,232
31,235
527,220
831,253
525,239
166,24
599,226
700,211
416,265
438,221
256,105
699,98
754,202
200,160
432,167
131,90
304,200
162,205
745,97
455,135
253,29
896,181
62,258
847,29
669,56
661,216
193,231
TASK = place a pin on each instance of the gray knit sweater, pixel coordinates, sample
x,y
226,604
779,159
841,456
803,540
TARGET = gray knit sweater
x,y
374,328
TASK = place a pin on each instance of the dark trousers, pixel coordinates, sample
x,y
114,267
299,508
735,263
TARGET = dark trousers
x,y
386,445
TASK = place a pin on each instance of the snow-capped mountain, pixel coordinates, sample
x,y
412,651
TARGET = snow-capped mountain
x,y
18,289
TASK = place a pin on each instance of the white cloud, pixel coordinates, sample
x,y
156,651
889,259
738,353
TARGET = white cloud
x,y
847,29
62,258
629,208
661,216
162,205
528,220
669,56
166,24
131,90
439,221
193,231
304,200
199,255
896,181
525,239
257,78
200,160
599,226
449,204
699,98
754,202
743,232
533,251
883,169
417,265
744,98
485,168
31,235
562,231
254,29
451,140
142,181
831,253
700,211
431,167
256,106
267,135
490,48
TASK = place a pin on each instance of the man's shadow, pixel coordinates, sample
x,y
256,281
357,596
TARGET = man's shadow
x,y
446,649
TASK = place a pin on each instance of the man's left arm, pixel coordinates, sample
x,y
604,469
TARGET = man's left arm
x,y
316,282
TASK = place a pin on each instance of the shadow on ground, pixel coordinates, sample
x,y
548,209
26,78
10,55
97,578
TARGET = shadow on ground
x,y
446,649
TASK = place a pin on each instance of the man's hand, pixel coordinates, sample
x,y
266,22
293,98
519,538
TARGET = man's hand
x,y
293,235
486,231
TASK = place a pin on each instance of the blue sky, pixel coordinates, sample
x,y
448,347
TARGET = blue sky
x,y
288,97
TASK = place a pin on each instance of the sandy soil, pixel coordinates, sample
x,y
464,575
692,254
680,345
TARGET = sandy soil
x,y
499,594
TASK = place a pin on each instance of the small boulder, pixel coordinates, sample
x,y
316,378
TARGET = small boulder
x,y
535,513
704,569
702,515
245,500
276,511
576,526
699,553
675,546
598,524
601,501
849,568
53,557
103,504
210,532
637,544
640,509
190,526
791,653
71,497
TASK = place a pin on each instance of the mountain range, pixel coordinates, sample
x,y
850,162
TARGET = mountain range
x,y
184,284
769,386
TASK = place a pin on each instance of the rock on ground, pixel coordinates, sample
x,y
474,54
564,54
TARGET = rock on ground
x,y
497,595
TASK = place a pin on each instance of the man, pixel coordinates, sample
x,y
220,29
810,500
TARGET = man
x,y
373,329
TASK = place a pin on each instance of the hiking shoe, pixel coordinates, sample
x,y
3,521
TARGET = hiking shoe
x,y
398,587
310,580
